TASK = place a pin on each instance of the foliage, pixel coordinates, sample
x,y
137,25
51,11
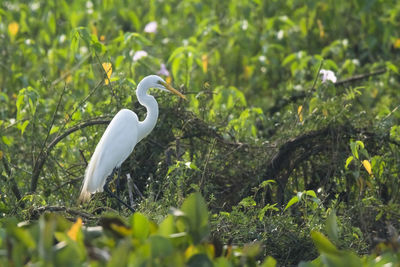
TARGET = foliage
x,y
179,240
277,152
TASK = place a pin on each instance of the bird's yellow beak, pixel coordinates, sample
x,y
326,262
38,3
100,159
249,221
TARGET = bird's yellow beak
x,y
173,90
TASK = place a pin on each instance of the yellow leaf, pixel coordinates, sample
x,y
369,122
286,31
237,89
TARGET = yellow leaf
x,y
13,28
374,92
120,229
397,43
210,249
102,38
367,166
94,30
1,154
73,232
168,79
299,109
108,69
204,61
190,251
321,29
248,71
325,112
68,79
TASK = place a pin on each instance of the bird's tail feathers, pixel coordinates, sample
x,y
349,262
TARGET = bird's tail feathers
x,y
85,193
84,196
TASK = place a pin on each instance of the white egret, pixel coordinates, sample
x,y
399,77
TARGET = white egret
x,y
122,134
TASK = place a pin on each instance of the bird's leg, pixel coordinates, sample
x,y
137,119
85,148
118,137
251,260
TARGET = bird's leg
x,y
109,178
117,185
107,189
118,181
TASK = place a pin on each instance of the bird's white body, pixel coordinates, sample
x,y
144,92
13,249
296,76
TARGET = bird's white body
x,y
116,144
122,134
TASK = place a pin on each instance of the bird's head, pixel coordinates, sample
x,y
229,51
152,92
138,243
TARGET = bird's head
x,y
154,81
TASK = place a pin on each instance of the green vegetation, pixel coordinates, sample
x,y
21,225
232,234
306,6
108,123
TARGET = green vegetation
x,y
269,163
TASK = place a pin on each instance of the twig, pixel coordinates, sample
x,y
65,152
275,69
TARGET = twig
x,y
390,114
137,190
206,163
73,212
42,149
360,77
83,156
316,77
79,105
62,77
41,160
130,185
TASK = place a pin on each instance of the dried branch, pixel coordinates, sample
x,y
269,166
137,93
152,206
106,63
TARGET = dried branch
x,y
40,210
360,77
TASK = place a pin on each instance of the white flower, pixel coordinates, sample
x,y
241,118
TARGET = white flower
x,y
62,38
83,50
164,21
35,6
262,58
356,62
139,54
280,35
245,25
89,7
163,70
151,27
328,75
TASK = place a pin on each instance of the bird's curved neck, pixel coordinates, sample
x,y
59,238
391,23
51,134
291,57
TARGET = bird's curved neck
x,y
147,125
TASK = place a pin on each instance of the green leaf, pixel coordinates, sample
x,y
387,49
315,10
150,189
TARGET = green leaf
x,y
140,226
294,200
247,202
167,227
195,210
323,244
288,59
348,161
54,129
25,237
199,260
331,226
23,126
8,140
266,183
392,67
311,193
120,254
269,262
160,246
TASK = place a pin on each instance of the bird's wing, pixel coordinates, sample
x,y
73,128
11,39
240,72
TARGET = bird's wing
x,y
114,147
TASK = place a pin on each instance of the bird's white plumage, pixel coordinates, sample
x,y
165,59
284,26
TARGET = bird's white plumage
x,y
122,134
116,144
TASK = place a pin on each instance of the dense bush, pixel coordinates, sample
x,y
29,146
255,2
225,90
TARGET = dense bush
x,y
278,151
